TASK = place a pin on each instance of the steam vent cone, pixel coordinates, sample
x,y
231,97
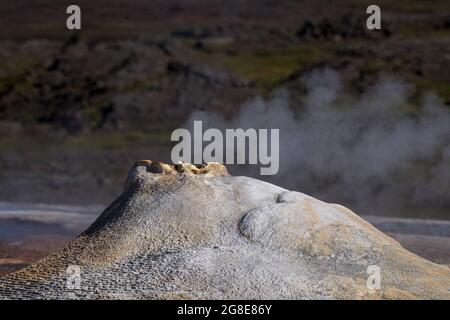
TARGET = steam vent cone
x,y
185,231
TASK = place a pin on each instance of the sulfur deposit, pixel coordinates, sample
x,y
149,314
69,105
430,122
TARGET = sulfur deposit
x,y
188,231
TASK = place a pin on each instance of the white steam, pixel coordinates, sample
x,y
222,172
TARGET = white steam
x,y
375,152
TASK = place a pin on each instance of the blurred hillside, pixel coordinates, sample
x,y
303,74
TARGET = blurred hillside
x,y
76,108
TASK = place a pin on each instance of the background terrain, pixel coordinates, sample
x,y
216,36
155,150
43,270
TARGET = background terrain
x,y
365,114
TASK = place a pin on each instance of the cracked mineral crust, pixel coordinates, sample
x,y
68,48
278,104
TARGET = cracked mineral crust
x,y
195,232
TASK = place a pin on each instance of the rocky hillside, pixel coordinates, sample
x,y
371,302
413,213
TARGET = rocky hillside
x,y
75,106
147,66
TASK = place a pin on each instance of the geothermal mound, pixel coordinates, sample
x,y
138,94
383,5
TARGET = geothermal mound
x,y
185,231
